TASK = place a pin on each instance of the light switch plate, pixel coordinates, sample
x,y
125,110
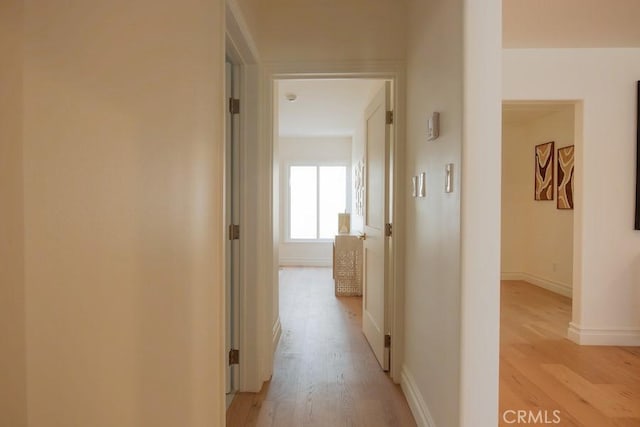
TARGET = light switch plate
x,y
422,185
448,179
433,126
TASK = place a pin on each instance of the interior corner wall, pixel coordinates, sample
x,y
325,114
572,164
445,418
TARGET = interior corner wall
x,y
537,238
13,399
123,175
606,248
430,378
308,150
515,190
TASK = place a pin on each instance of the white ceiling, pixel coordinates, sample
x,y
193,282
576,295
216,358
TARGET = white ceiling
x,y
323,107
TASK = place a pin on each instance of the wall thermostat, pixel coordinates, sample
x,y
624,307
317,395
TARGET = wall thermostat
x,y
433,126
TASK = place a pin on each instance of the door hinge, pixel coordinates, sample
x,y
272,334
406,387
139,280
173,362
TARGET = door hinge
x,y
234,357
389,117
388,230
387,341
234,232
234,105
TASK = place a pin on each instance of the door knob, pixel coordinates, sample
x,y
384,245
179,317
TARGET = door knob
x,y
362,236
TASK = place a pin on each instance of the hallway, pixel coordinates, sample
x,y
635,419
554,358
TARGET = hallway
x,y
325,374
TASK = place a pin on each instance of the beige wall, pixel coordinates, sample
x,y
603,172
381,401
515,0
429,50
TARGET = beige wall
x,y
452,254
432,294
287,31
571,23
123,202
13,403
537,238
606,308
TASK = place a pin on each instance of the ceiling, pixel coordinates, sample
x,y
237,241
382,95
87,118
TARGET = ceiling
x,y
520,113
323,107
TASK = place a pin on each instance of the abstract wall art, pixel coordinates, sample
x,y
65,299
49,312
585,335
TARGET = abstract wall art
x,y
565,177
359,186
637,225
544,154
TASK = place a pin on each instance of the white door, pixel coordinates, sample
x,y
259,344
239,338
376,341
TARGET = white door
x,y
376,214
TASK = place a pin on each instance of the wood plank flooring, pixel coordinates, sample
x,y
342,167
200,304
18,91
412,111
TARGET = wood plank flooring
x,y
541,370
325,374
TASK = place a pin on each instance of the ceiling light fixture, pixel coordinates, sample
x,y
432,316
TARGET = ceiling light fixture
x,y
291,97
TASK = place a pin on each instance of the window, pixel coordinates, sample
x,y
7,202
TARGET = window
x,y
317,194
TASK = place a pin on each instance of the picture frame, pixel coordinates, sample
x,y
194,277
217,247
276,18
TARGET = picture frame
x,y
565,171
544,176
637,222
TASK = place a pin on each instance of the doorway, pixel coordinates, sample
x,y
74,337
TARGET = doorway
x,y
261,328
540,142
538,202
333,150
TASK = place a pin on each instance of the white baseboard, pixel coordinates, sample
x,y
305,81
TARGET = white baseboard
x,y
619,337
416,402
277,332
306,262
550,285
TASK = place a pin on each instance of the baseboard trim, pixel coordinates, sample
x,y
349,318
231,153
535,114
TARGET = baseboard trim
x,y
626,337
306,262
550,285
277,333
416,402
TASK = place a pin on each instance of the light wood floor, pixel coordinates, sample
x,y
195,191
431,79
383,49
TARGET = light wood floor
x,y
325,374
540,369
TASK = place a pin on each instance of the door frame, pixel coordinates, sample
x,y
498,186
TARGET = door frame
x,y
241,49
268,229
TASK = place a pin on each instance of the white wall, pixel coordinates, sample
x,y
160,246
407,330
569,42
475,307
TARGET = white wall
x,y
452,254
345,30
537,238
13,402
432,293
330,151
571,23
123,213
606,308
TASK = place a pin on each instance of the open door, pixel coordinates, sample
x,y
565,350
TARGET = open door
x,y
376,228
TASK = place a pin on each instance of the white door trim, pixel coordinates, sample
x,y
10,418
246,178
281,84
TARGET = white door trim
x,y
240,47
394,71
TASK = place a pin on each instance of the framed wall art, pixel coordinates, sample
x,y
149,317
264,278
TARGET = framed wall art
x,y
637,227
565,177
544,154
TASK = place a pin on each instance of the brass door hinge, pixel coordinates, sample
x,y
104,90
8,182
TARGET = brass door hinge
x,y
387,341
234,232
389,117
234,105
234,357
388,230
